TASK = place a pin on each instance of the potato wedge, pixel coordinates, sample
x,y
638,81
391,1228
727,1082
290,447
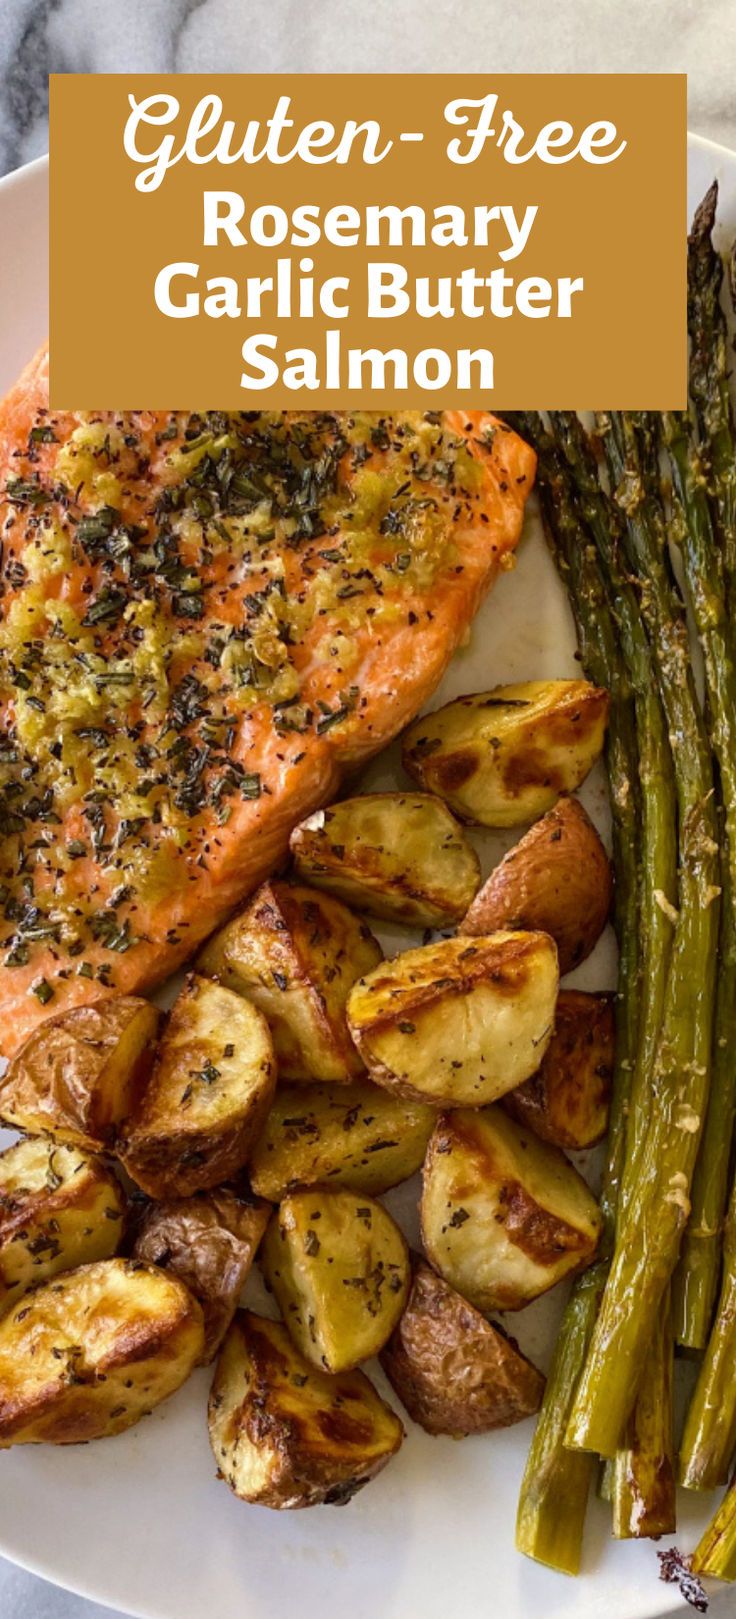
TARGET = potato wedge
x,y
296,953
208,1097
348,1135
558,879
459,1022
209,1242
339,1267
455,1372
286,1435
78,1076
502,757
88,1354
566,1101
504,1216
58,1208
396,855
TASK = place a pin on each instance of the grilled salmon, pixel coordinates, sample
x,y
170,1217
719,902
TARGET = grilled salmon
x,y
205,620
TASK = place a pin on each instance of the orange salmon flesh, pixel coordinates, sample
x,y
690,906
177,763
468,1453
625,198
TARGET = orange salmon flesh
x,y
205,621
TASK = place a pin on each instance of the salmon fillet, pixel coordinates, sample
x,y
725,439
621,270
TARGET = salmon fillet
x,y
205,621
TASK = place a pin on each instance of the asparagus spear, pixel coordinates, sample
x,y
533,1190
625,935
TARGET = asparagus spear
x,y
695,1286
640,1479
716,1552
643,1484
655,773
697,1276
554,1490
706,590
554,1474
709,376
709,1436
649,1237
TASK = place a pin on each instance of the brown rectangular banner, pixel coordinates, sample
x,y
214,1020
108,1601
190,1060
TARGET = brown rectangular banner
x,y
300,241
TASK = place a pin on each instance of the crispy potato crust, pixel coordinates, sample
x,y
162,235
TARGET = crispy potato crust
x,y
504,1216
58,1208
458,1022
285,1435
339,1267
455,1372
209,1242
557,879
401,856
566,1101
79,1076
502,757
348,1135
88,1354
209,1094
296,953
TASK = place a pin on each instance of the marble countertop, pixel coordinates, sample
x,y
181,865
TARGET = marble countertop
x,y
239,36
187,36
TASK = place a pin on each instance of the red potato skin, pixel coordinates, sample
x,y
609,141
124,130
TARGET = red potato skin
x,y
209,1243
566,1101
455,1372
557,879
55,1077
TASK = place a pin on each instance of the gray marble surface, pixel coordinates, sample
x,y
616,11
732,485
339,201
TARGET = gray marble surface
x,y
187,36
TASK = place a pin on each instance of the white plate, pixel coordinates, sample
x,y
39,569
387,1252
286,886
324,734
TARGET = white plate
x,y
140,1522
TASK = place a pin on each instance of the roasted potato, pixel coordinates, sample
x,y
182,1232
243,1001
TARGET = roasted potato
x,y
566,1101
286,1435
459,1022
295,953
339,1267
208,1242
504,1216
558,879
397,855
79,1075
88,1354
502,757
208,1097
58,1208
455,1372
349,1135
